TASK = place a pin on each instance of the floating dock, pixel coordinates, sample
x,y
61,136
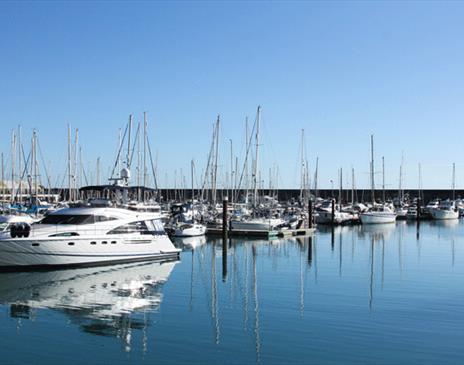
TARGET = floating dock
x,y
261,233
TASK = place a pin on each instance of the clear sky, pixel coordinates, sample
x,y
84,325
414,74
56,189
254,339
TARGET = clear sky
x,y
340,70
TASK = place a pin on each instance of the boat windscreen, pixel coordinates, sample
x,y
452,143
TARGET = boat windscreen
x,y
68,219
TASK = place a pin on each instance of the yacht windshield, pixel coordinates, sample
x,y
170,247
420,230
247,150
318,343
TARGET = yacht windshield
x,y
68,219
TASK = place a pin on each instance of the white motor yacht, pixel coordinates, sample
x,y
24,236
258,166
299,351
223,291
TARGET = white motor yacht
x,y
411,213
434,204
257,224
401,212
325,217
185,229
446,210
323,214
86,236
378,214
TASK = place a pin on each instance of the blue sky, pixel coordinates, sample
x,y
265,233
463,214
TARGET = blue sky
x,y
340,70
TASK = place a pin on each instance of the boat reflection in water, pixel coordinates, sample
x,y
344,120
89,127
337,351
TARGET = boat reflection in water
x,y
109,301
189,243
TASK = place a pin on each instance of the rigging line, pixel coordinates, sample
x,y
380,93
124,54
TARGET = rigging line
x,y
26,162
83,169
210,157
248,148
133,145
152,165
119,151
44,164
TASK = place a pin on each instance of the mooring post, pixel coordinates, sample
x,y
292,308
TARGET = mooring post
x,y
333,212
224,217
418,217
310,214
224,237
310,250
418,210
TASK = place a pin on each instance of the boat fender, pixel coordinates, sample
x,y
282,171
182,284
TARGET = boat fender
x,y
27,229
20,230
13,231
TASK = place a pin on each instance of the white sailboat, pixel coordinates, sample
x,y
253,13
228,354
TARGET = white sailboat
x,y
378,213
447,209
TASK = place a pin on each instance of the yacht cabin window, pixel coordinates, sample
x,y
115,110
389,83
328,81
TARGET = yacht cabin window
x,y
68,219
154,227
133,227
75,219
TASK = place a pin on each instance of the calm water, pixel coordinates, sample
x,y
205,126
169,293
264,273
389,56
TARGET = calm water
x,y
358,295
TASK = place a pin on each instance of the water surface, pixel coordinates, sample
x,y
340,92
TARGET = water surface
x,y
372,294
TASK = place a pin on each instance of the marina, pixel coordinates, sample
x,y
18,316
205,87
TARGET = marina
x,y
231,182
376,294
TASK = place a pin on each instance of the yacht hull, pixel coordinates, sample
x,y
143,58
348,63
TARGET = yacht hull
x,y
257,225
441,214
29,253
195,231
377,218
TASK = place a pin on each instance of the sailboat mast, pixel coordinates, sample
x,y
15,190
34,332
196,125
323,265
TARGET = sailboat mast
x,y
145,125
316,177
352,185
372,170
76,143
13,154
36,185
231,172
255,173
69,163
399,186
454,181
192,167
97,175
129,142
383,179
3,183
246,161
302,165
216,151
340,191
420,181
20,167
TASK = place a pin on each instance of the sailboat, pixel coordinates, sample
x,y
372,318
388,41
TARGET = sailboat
x,y
379,213
257,223
190,228
447,209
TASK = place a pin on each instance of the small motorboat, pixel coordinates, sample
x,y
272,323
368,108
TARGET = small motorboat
x,y
185,229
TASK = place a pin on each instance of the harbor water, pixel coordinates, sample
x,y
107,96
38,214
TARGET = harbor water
x,y
383,294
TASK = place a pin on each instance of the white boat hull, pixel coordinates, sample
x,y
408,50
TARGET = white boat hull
x,y
441,214
377,218
323,217
75,251
193,231
257,224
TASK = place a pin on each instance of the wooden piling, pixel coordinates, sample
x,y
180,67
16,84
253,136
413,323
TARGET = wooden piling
x,y
224,218
333,212
310,213
225,222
